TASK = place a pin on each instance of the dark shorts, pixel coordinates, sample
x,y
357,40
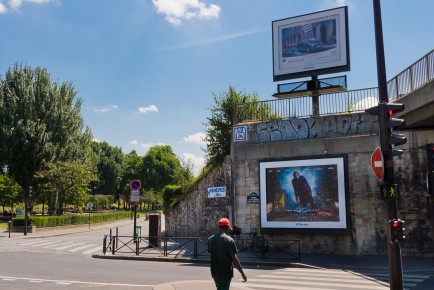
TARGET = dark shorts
x,y
222,284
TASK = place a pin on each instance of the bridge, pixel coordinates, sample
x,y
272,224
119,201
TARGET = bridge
x,y
414,87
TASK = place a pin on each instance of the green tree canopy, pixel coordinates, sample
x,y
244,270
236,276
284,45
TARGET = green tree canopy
x,y
10,192
70,181
40,123
219,125
160,167
109,162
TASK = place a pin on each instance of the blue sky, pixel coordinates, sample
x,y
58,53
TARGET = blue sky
x,y
147,69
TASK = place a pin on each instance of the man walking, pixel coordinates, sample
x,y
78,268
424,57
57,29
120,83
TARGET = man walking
x,y
223,256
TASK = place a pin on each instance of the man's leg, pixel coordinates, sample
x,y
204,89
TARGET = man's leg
x,y
223,284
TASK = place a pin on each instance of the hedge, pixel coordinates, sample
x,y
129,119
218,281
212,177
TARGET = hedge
x,y
54,221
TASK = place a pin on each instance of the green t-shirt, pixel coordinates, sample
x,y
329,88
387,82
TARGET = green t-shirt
x,y
220,246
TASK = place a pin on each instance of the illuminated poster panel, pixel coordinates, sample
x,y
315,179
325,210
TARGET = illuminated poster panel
x,y
306,194
311,44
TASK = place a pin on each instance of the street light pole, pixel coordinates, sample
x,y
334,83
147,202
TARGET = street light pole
x,y
394,249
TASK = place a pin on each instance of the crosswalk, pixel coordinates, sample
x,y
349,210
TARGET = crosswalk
x,y
326,279
62,245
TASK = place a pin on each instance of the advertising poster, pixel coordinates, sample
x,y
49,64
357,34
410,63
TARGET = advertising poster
x,y
303,194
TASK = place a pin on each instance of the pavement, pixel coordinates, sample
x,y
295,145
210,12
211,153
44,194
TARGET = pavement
x,y
411,264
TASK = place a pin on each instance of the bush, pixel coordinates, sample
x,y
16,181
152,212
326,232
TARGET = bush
x,y
54,221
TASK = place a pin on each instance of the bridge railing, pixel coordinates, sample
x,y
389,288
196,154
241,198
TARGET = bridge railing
x,y
412,78
346,102
195,248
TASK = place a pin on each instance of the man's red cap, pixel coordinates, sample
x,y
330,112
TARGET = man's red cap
x,y
224,222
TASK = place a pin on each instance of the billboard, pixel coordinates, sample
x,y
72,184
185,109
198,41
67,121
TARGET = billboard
x,y
301,196
311,44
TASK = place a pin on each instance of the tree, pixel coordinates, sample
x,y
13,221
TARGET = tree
x,y
109,163
219,124
160,167
41,123
10,192
130,172
69,180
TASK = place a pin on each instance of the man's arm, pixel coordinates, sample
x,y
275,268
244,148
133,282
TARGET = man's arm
x,y
237,265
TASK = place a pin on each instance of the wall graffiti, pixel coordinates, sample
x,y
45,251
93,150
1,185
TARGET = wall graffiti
x,y
312,128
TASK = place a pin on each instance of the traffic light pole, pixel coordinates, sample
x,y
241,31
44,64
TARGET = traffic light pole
x,y
394,249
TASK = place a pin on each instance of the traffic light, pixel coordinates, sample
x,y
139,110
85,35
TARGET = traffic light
x,y
430,157
389,139
396,231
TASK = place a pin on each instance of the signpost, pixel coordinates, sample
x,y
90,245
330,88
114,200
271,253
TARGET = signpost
x,y
89,206
377,163
135,186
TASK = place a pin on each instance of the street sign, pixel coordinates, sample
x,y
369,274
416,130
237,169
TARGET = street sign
x,y
377,163
135,196
135,184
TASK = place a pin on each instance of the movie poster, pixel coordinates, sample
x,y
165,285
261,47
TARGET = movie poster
x,y
306,193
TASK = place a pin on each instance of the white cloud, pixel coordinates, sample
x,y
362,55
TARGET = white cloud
x,y
216,39
198,138
2,8
197,162
340,3
106,109
137,144
16,4
178,10
150,108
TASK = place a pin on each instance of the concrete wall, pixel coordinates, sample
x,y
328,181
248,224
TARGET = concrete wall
x,y
350,135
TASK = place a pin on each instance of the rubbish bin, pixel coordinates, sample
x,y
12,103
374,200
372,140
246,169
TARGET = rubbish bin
x,y
155,230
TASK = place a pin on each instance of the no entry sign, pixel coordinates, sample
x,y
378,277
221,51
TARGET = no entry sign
x,y
377,163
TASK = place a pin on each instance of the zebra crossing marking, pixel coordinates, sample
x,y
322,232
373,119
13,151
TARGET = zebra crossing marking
x,y
91,251
81,248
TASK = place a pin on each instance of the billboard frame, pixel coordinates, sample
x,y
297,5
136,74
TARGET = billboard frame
x,y
328,178
330,27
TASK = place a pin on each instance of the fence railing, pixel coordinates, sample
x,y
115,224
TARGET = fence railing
x,y
353,101
195,248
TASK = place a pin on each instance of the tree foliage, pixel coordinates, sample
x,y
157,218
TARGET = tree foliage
x,y
10,192
219,124
109,163
70,181
41,123
160,167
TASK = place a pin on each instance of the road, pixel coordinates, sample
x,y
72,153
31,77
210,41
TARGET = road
x,y
65,262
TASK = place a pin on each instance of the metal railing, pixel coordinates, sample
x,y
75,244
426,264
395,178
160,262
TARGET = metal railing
x,y
353,101
195,248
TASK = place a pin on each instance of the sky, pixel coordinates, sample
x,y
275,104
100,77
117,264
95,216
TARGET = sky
x,y
147,70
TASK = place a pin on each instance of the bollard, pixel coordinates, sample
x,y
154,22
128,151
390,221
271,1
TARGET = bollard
x,y
9,228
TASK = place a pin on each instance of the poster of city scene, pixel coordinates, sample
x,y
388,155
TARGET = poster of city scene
x,y
310,42
303,194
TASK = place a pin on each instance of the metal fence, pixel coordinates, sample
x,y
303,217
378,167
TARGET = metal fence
x,y
353,101
195,248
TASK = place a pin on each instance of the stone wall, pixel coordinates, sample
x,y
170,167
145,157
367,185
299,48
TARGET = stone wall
x,y
197,215
352,136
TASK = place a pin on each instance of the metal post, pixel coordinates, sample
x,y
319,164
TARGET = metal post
x,y
135,223
9,228
315,96
394,250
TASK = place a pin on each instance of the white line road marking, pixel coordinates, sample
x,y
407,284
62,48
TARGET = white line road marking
x,y
34,242
77,282
91,251
82,247
68,246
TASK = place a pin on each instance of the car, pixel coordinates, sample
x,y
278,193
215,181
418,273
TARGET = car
x,y
310,45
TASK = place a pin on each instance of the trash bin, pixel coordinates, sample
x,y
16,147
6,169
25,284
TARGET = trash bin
x,y
155,230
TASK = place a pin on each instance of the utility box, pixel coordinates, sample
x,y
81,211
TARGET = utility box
x,y
154,230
